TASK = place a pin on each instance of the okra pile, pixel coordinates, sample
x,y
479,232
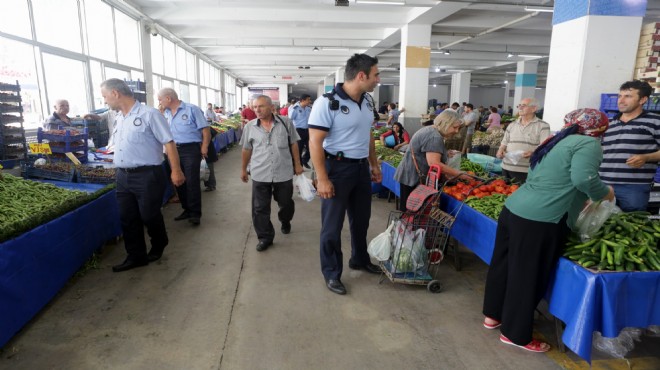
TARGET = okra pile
x,y
626,242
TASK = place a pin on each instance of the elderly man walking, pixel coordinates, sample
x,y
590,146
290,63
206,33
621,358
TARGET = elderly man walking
x,y
524,134
268,143
192,136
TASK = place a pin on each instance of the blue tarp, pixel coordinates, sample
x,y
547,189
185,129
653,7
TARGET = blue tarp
x,y
37,264
388,178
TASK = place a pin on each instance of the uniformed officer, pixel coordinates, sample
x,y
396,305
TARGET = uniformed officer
x,y
343,153
192,136
140,133
299,115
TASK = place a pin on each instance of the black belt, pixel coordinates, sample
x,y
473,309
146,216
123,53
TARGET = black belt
x,y
187,144
138,169
345,159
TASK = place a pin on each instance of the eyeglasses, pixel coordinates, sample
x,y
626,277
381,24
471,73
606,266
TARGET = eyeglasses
x,y
521,106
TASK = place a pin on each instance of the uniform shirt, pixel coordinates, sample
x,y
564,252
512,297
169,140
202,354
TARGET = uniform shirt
x,y
271,152
394,113
425,140
640,135
186,123
470,120
561,182
300,116
527,138
139,137
348,128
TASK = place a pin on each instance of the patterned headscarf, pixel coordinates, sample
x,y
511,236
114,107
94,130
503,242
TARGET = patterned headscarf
x,y
591,122
585,121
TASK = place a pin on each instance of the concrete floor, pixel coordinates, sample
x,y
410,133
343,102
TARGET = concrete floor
x,y
214,302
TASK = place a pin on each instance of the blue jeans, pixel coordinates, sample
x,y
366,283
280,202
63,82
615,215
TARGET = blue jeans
x,y
632,197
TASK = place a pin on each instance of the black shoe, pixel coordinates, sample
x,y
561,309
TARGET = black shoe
x,y
194,220
336,286
369,267
130,264
262,246
183,216
306,166
286,228
154,255
210,188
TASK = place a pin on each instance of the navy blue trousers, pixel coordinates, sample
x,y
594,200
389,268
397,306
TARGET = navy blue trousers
x,y
140,197
352,183
190,192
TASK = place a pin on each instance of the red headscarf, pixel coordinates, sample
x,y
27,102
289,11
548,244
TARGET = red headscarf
x,y
590,122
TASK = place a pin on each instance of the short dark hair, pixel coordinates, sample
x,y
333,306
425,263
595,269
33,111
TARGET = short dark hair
x,y
304,96
359,63
392,105
469,105
499,105
642,87
455,104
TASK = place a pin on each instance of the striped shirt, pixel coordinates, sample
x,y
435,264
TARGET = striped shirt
x,y
622,140
525,138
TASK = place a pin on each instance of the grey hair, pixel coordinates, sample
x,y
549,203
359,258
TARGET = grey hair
x,y
445,120
268,99
532,102
168,91
118,85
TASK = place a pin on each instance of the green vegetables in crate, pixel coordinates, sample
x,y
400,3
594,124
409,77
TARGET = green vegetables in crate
x,y
467,165
490,205
626,242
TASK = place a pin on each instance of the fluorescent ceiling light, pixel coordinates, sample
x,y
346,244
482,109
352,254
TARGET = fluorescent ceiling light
x,y
506,82
434,85
447,52
511,72
315,49
334,48
376,2
510,55
249,47
437,69
537,9
531,56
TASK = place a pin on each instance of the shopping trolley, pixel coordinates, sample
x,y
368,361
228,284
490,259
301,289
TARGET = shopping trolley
x,y
420,236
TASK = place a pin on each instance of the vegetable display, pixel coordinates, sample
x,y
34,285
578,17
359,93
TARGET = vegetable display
x,y
626,242
469,166
492,139
490,205
388,155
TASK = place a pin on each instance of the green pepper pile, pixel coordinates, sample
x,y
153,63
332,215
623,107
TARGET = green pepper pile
x,y
26,204
490,205
626,242
468,165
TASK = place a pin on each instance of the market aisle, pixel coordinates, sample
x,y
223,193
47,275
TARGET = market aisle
x,y
214,302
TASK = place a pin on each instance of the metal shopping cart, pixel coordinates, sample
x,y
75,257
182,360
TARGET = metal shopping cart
x,y
420,236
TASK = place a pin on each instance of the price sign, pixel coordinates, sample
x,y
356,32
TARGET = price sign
x,y
40,148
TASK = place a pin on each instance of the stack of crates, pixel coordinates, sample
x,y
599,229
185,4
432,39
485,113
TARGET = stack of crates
x,y
13,147
139,89
70,141
97,130
648,52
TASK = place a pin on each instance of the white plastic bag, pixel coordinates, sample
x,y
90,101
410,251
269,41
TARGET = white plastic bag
x,y
593,216
204,171
380,247
618,347
454,160
514,156
304,187
409,251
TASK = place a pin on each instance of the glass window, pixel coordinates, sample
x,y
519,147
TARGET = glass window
x,y
168,56
202,72
116,73
137,75
18,64
191,67
166,83
60,16
194,94
156,85
16,18
100,30
184,93
70,85
128,40
96,70
181,73
157,54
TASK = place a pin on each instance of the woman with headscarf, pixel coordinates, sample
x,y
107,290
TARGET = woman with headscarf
x,y
428,147
535,222
396,137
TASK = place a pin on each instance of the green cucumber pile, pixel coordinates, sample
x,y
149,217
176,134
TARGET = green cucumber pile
x,y
626,242
490,205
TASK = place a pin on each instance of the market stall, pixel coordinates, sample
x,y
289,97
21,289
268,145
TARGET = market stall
x,y
35,265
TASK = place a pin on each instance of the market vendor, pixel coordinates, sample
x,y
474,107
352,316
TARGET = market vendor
x,y
426,148
524,134
108,118
395,138
59,116
393,114
630,148
535,221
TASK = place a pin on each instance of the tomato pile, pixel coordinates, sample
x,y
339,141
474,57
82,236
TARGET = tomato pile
x,y
473,188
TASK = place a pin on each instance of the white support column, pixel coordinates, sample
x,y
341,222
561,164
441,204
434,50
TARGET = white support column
x,y
329,83
580,68
339,75
508,98
414,73
525,82
460,87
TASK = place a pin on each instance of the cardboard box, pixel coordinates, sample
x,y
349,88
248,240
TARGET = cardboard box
x,y
644,52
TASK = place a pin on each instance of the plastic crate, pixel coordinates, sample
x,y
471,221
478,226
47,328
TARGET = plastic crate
x,y
82,157
653,104
137,85
31,172
10,98
100,138
10,87
10,108
67,138
87,177
10,118
608,102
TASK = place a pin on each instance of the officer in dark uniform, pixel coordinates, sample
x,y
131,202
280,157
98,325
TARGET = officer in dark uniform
x,y
140,133
344,157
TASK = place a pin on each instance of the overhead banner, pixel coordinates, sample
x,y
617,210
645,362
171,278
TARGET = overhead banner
x,y
272,92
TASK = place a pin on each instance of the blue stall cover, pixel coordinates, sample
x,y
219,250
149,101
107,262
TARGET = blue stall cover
x,y
37,264
388,178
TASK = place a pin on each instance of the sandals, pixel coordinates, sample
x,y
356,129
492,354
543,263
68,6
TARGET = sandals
x,y
492,326
534,346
